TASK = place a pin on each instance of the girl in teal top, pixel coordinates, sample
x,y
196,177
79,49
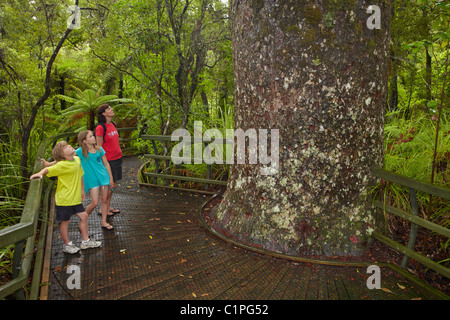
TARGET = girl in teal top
x,y
97,174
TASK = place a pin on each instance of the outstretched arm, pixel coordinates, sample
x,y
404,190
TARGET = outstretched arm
x,y
40,174
46,164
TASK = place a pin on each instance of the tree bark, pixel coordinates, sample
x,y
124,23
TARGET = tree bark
x,y
319,75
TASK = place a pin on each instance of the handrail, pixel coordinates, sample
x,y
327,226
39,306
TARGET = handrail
x,y
413,186
157,157
23,234
411,183
25,230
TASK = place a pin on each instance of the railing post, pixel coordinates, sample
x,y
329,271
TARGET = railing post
x,y
155,149
17,265
413,232
208,166
17,258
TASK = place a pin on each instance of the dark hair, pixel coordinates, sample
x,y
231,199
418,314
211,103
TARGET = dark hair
x,y
100,110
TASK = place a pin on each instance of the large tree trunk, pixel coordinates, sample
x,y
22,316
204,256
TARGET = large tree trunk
x,y
319,75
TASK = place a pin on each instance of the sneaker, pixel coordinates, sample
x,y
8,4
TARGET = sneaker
x,y
70,248
90,244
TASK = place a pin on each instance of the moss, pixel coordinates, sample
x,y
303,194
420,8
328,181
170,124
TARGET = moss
x,y
294,29
313,15
348,4
308,37
358,27
329,35
257,5
265,29
329,19
337,5
316,62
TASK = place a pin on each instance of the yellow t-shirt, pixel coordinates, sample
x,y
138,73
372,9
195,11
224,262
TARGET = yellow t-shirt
x,y
68,189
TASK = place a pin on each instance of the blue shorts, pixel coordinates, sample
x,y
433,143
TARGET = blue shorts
x,y
64,213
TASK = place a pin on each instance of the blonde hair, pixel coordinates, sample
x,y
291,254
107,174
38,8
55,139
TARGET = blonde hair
x,y
84,148
58,151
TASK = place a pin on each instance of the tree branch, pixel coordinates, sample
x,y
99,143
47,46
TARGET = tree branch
x,y
34,110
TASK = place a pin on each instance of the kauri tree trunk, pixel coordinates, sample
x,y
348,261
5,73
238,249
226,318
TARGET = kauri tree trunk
x,y
318,73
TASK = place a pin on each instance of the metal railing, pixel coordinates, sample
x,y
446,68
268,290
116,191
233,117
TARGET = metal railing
x,y
408,251
23,234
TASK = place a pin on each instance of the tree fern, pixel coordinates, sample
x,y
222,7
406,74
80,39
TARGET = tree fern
x,y
85,105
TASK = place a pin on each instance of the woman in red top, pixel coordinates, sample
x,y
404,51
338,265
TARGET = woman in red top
x,y
109,141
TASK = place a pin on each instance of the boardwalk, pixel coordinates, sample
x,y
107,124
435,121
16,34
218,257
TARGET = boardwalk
x,y
158,250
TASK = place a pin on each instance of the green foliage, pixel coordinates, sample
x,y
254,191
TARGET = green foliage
x,y
409,146
419,90
11,183
85,105
417,127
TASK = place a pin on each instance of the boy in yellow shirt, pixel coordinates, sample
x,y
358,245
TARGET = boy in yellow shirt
x,y
69,194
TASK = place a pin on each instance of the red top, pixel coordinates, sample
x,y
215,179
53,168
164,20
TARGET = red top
x,y
110,142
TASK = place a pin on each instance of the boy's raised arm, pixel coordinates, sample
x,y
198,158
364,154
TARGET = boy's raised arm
x,y
46,164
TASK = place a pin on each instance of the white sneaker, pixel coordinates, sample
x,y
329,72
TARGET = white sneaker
x,y
90,244
70,248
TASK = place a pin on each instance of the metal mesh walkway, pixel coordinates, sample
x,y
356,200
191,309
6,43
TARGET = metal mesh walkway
x,y
158,250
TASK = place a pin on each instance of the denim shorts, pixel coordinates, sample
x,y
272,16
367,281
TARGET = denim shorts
x,y
64,213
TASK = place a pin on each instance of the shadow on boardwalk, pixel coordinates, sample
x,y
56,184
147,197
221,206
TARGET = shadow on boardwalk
x,y
158,250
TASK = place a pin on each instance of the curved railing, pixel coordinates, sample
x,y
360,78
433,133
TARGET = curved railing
x,y
158,158
23,234
408,251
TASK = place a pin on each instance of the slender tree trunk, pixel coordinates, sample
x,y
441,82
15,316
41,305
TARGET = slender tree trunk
x,y
316,72
62,90
120,94
205,101
26,129
393,95
428,70
428,74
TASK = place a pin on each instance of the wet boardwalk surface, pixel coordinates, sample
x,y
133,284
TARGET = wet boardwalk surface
x,y
158,250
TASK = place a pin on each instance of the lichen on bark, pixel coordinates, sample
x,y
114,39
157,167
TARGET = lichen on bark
x,y
316,73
